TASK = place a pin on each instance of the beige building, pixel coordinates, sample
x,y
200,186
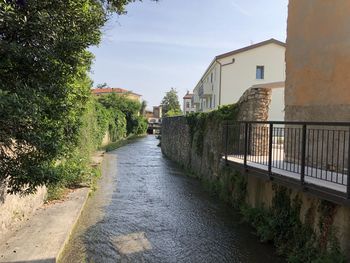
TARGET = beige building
x,y
188,105
318,60
158,112
231,74
118,91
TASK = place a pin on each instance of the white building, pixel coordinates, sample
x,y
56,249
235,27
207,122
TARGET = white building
x,y
188,105
231,74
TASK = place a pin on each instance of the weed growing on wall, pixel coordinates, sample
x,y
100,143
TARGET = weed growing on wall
x,y
280,224
298,241
309,239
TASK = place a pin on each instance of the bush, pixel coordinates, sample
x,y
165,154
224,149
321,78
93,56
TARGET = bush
x,y
44,83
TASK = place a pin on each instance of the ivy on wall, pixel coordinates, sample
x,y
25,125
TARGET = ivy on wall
x,y
107,115
313,239
197,123
280,224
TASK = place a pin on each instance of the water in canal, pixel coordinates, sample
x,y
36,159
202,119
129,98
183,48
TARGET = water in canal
x,y
147,210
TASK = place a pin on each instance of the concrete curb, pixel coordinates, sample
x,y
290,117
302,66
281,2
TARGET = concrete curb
x,y
60,252
44,236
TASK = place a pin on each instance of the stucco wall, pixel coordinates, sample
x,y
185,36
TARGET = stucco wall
x,y
318,61
276,111
235,78
241,75
14,209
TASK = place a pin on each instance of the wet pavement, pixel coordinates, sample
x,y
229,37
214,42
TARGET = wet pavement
x,y
147,210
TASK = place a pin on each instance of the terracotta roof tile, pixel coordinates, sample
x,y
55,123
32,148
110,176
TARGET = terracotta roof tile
x,y
188,96
111,90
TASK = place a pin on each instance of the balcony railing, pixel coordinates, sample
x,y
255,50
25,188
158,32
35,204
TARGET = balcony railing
x,y
311,153
205,90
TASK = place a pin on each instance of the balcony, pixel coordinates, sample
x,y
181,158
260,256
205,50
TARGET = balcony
x,y
311,156
195,99
206,90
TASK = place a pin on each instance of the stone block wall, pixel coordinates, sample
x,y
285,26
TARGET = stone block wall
x,y
254,105
178,145
176,140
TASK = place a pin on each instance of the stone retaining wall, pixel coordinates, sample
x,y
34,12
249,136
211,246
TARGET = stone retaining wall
x,y
179,145
176,137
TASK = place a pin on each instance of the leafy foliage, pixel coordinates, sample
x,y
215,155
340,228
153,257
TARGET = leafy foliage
x,y
198,121
96,122
171,104
298,241
44,88
127,114
173,113
281,223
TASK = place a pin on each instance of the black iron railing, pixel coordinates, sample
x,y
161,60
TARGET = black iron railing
x,y
312,152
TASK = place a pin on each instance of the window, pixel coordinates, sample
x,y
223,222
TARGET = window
x,y
187,105
260,72
211,77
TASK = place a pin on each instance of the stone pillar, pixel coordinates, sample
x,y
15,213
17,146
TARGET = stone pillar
x,y
253,106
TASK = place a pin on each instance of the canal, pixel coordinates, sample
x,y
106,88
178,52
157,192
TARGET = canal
x,y
145,209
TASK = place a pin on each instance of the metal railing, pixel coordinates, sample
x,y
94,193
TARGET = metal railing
x,y
311,152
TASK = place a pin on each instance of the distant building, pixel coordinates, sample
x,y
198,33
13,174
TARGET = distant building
x,y
157,112
149,114
231,74
188,105
118,91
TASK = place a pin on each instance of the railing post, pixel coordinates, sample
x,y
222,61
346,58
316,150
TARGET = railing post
x,y
270,148
303,155
348,174
246,127
226,142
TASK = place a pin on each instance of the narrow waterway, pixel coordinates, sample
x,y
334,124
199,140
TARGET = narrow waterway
x,y
147,210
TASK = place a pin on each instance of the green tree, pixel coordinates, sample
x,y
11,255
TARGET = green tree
x,y
130,108
44,87
171,104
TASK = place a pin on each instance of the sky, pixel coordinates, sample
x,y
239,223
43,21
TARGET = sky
x,y
170,43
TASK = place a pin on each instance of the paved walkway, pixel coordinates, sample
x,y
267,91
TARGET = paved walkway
x,y
327,179
43,236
